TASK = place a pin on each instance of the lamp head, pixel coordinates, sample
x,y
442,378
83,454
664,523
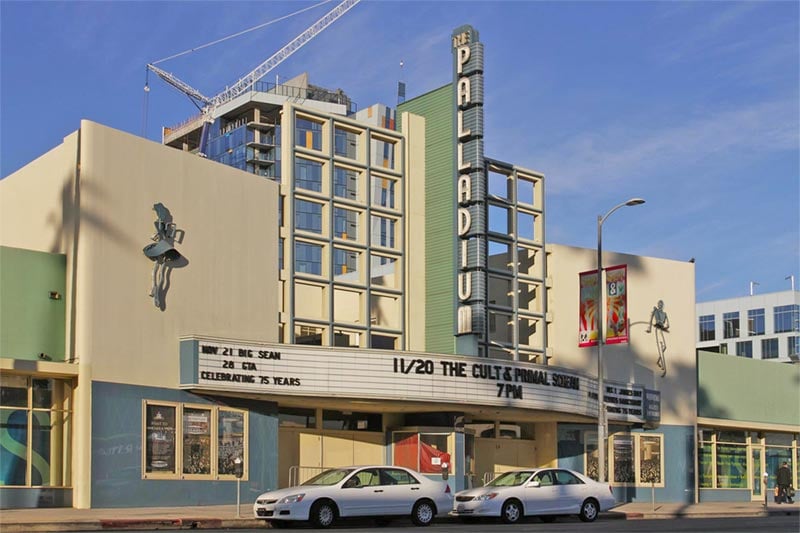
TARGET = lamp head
x,y
635,201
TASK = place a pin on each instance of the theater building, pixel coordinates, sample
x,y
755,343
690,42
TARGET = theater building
x,y
325,288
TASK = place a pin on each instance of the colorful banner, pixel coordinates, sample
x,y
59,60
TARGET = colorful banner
x,y
616,304
616,307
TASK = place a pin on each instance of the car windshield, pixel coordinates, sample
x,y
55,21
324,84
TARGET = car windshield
x,y
510,479
329,477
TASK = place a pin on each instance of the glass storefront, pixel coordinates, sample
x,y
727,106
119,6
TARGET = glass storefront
x,y
35,431
737,459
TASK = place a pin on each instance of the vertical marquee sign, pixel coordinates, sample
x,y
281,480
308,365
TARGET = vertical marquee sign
x,y
470,180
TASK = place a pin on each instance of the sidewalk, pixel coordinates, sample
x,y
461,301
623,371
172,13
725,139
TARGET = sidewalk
x,y
225,516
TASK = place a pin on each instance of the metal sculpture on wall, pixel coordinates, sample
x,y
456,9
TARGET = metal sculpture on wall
x,y
660,322
163,253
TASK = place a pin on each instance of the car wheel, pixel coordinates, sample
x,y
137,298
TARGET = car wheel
x,y
511,512
423,513
322,514
589,510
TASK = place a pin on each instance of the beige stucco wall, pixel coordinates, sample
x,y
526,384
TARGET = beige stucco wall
x,y
34,200
227,288
649,280
414,129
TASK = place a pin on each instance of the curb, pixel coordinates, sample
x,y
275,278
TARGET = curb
x,y
130,524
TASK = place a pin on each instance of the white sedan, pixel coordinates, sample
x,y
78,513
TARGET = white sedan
x,y
545,492
359,491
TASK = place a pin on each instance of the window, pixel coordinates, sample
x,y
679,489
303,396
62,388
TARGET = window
x,y
383,153
395,476
383,231
308,174
345,183
35,424
637,459
755,322
308,133
351,421
744,349
345,143
384,271
196,441
160,451
793,346
723,459
731,323
769,348
307,216
723,348
297,418
566,478
309,335
204,445
383,192
787,318
345,264
230,440
345,223
707,328
382,342
308,258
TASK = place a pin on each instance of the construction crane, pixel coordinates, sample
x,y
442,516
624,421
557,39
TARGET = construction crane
x,y
209,105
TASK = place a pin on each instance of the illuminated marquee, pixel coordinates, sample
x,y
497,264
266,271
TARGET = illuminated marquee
x,y
470,180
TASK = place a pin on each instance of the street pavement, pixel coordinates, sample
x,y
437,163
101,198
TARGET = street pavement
x,y
228,517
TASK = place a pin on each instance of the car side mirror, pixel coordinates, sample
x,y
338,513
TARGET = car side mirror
x,y
534,484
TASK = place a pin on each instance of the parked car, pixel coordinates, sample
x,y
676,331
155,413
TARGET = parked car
x,y
544,492
382,492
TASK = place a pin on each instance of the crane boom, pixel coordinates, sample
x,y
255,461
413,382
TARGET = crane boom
x,y
180,85
246,82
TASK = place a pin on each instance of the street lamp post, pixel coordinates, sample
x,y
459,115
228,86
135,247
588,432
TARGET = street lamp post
x,y
602,423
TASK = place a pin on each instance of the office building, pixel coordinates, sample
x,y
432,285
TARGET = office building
x,y
759,326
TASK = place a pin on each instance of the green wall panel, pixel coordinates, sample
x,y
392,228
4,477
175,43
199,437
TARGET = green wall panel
x,y
438,109
31,322
747,390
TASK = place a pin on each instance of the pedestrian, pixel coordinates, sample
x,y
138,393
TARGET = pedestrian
x,y
784,482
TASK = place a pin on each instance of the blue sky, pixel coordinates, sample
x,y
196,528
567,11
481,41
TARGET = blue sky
x,y
694,106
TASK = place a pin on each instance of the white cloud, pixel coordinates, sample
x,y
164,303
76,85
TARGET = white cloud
x,y
624,154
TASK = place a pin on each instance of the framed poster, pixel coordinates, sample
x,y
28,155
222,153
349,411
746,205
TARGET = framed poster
x,y
196,441
160,448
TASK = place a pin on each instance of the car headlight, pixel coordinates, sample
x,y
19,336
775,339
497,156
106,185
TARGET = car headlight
x,y
294,498
484,497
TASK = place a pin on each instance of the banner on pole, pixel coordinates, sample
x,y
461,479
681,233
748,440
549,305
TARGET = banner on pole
x,y
616,307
